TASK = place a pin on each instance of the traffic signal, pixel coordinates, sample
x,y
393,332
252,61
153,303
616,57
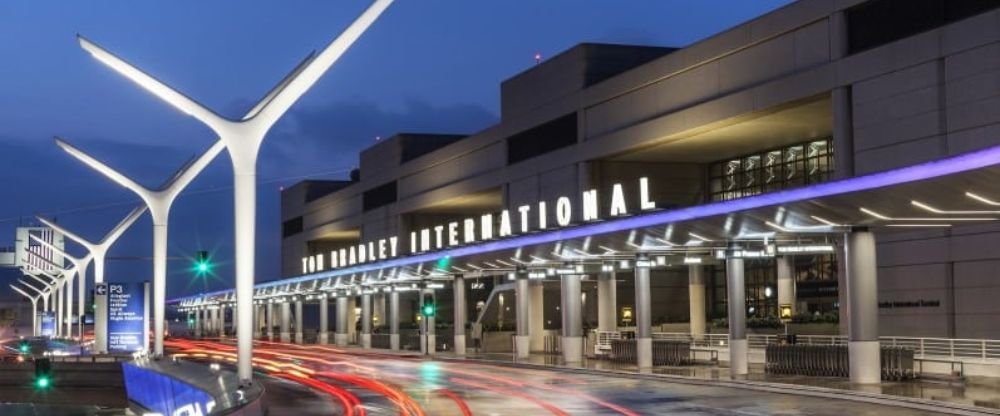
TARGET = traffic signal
x,y
43,373
24,348
429,309
202,264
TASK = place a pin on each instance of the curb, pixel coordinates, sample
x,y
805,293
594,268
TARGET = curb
x,y
794,389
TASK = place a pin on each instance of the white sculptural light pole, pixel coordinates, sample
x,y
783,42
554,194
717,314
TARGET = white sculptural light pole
x,y
79,269
61,283
242,139
159,202
48,288
99,252
34,305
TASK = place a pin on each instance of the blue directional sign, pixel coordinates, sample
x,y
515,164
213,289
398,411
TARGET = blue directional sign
x,y
48,324
126,321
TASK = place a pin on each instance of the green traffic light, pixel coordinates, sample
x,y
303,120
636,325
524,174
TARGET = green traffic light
x,y
203,267
24,348
429,310
42,382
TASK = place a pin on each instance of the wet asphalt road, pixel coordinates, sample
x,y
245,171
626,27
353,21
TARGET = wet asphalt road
x,y
372,384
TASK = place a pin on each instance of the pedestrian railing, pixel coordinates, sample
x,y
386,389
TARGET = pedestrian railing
x,y
951,348
381,341
664,352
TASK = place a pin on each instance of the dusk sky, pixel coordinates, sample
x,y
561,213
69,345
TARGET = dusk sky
x,y
425,66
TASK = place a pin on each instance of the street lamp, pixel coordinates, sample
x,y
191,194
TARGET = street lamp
x,y
79,269
34,306
242,138
159,202
55,288
48,287
99,252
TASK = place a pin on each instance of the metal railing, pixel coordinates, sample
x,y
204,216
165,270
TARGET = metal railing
x,y
951,348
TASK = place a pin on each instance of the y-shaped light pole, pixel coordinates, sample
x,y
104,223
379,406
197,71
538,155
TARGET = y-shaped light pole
x,y
78,269
159,201
58,285
99,251
48,286
34,305
242,139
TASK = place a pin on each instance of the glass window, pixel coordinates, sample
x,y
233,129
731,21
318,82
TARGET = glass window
x,y
797,165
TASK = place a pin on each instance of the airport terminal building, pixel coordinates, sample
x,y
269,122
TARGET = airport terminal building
x,y
833,161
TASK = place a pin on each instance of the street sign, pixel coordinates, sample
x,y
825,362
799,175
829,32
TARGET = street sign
x,y
101,289
48,324
126,317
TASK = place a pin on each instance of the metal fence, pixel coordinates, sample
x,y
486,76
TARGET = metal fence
x,y
951,348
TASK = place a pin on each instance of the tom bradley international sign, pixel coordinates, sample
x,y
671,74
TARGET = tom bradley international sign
x,y
489,226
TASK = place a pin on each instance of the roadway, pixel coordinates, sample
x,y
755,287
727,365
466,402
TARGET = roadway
x,y
384,384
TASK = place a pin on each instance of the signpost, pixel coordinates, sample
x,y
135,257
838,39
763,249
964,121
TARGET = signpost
x,y
48,324
126,316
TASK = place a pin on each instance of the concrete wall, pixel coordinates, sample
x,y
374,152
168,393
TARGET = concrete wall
x,y
960,268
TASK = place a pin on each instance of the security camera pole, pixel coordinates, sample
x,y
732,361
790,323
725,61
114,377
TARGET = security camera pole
x,y
242,138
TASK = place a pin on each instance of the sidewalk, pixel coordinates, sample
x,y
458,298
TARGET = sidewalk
x,y
982,393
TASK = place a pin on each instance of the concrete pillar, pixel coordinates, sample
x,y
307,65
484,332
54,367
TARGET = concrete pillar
x,y
844,314
572,320
458,294
696,301
607,302
197,323
298,322
258,315
643,312
366,321
522,338
352,319
340,333
270,322
786,282
394,320
536,318
286,314
378,312
737,300
862,284
324,320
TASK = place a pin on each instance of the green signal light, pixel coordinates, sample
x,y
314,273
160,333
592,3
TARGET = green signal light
x,y
443,262
42,382
24,348
429,310
203,267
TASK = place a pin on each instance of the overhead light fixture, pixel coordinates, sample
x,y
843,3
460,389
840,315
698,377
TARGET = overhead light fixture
x,y
926,207
982,199
918,225
699,237
607,267
888,218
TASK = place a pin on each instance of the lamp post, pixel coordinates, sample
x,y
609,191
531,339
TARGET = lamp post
x,y
98,252
79,269
59,286
242,138
48,287
159,202
34,306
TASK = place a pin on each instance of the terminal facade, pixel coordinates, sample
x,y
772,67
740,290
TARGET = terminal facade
x,y
812,92
830,162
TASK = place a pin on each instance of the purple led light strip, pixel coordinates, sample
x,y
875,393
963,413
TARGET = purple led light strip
x,y
956,164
